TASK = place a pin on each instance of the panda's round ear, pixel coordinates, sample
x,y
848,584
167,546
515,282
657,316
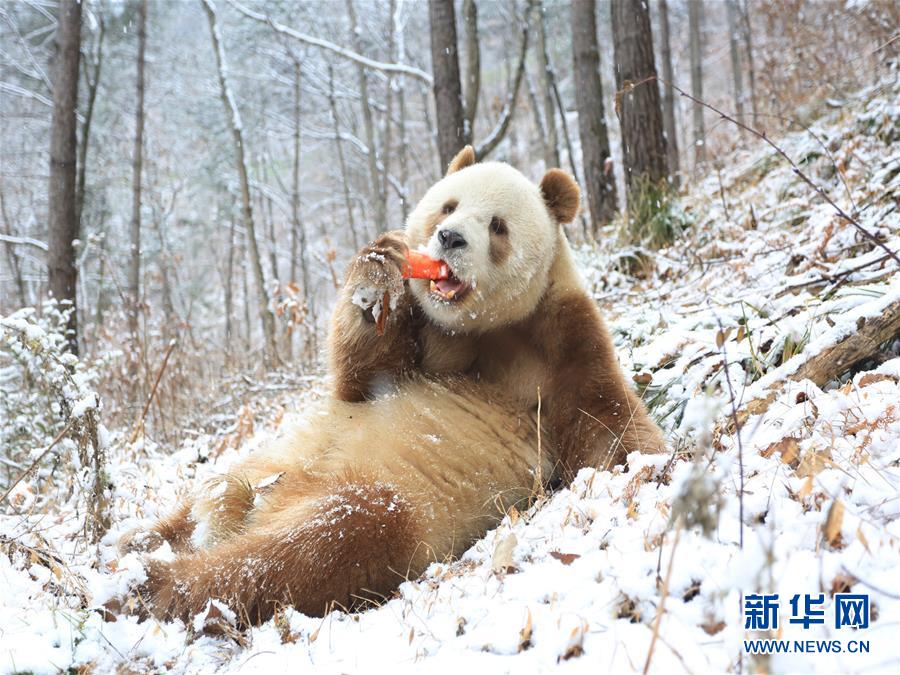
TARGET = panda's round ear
x,y
465,157
561,195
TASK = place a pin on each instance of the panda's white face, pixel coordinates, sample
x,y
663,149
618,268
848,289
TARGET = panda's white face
x,y
491,226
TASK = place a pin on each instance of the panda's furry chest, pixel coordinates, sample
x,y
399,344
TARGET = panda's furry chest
x,y
505,360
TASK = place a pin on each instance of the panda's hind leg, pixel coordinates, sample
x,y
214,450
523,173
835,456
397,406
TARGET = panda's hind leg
x,y
350,544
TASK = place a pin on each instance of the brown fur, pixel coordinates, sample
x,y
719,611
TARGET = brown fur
x,y
465,157
500,248
561,194
343,508
358,535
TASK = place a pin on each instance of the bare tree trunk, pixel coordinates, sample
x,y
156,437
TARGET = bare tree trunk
x,y
11,256
493,139
452,134
668,95
267,319
134,266
473,64
736,74
389,110
401,122
62,209
229,292
695,11
345,178
551,142
599,181
585,229
298,229
93,83
748,49
378,197
639,109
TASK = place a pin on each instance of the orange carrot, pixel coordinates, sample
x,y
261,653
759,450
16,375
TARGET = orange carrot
x,y
420,266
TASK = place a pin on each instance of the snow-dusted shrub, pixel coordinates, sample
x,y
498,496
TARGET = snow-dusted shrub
x,y
48,405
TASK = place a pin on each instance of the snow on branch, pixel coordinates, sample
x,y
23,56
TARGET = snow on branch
x,y
399,68
23,241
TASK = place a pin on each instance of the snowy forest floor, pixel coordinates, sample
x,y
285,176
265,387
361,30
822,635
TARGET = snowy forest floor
x,y
765,278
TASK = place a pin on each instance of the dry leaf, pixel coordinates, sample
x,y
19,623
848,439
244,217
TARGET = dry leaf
x,y
788,448
863,540
833,523
525,633
575,644
383,315
872,378
813,462
502,560
643,378
711,627
807,488
565,558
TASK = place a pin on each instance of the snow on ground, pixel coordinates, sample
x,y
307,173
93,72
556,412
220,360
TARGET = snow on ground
x,y
765,278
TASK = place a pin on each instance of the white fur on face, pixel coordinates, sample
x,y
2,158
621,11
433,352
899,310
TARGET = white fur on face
x,y
501,293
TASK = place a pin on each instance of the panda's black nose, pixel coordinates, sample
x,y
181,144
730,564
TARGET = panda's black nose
x,y
451,239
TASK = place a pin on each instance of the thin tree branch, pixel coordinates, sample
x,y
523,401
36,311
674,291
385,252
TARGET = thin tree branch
x,y
509,109
399,68
796,169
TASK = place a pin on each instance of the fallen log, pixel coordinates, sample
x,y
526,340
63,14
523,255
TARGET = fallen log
x,y
831,363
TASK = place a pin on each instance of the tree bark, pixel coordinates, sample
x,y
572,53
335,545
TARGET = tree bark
x,y
551,142
266,317
298,229
93,84
493,139
695,10
401,121
473,64
452,134
599,182
229,292
639,109
747,35
345,178
737,75
668,95
62,208
11,256
831,363
378,197
134,262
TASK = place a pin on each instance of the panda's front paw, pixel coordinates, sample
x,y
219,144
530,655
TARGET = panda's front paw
x,y
376,278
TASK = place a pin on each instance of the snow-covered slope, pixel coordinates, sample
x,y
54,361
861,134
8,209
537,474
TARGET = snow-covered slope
x,y
803,500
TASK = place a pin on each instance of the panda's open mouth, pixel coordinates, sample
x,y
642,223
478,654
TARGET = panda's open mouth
x,y
451,289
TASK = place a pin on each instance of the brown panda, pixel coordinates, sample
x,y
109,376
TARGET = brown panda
x,y
432,429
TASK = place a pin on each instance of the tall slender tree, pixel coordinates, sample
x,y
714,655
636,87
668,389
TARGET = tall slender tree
x,y
378,196
267,318
747,35
452,134
599,181
473,63
551,142
134,262
695,18
63,208
638,103
668,94
737,76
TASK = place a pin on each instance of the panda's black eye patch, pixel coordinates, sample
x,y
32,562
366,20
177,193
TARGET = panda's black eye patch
x,y
498,226
449,207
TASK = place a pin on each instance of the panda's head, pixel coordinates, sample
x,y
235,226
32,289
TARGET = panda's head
x,y
498,232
